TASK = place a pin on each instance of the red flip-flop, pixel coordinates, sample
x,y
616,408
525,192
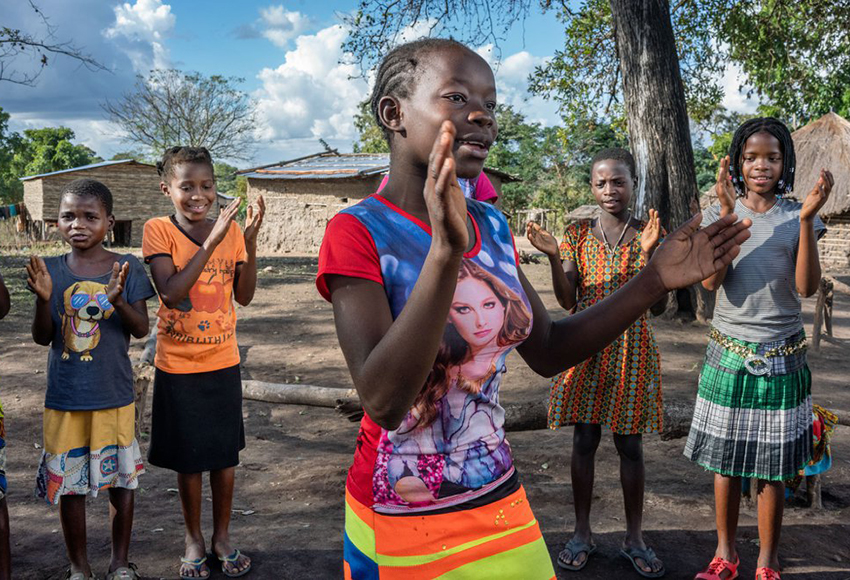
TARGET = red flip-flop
x,y
716,567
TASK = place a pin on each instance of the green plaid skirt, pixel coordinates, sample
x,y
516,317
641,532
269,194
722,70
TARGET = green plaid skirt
x,y
752,426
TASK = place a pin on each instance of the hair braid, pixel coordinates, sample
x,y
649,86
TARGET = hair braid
x,y
396,75
774,127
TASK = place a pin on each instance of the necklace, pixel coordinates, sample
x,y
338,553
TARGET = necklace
x,y
609,249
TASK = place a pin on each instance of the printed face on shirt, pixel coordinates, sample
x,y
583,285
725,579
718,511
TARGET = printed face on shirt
x,y
83,222
191,188
457,85
761,163
612,184
476,313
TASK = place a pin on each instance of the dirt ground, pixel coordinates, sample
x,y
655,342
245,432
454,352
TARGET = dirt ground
x,y
289,492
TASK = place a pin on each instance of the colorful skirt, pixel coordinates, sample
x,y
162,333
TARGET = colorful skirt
x,y
87,451
746,425
499,540
2,455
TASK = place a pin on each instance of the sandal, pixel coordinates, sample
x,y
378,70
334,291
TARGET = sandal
x,y
575,547
717,566
647,555
124,573
78,576
198,566
231,559
765,573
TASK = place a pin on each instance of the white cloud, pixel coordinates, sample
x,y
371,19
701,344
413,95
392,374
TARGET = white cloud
x,y
99,135
734,98
281,25
311,95
145,26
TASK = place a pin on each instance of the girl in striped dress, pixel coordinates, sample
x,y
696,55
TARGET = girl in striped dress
x,y
753,414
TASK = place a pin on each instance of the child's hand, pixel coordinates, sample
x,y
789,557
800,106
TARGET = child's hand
x,y
690,255
651,233
443,196
253,221
817,196
725,192
541,239
38,278
115,288
222,223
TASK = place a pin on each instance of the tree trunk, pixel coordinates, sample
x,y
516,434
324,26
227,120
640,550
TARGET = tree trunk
x,y
655,106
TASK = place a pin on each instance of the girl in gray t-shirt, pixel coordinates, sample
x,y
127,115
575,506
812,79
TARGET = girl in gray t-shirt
x,y
753,414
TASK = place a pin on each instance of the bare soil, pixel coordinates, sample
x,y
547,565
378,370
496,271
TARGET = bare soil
x,y
289,491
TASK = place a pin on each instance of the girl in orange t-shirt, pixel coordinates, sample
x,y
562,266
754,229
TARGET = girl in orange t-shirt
x,y
199,266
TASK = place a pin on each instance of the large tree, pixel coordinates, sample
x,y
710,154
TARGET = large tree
x,y
170,107
25,53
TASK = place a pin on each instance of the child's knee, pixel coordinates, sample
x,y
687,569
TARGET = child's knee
x,y
629,447
586,438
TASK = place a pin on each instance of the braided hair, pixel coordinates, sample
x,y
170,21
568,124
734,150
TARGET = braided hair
x,y
398,72
616,154
774,127
176,155
90,188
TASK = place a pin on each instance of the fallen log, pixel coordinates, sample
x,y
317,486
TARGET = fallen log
x,y
295,394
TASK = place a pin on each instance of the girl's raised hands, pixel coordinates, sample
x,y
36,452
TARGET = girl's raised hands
x,y
115,287
222,223
38,278
651,233
817,196
541,239
725,192
690,255
443,196
253,221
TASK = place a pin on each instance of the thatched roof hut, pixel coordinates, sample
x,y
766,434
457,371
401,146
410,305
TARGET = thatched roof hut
x,y
822,144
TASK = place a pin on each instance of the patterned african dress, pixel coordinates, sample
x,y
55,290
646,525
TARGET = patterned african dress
x,y
619,387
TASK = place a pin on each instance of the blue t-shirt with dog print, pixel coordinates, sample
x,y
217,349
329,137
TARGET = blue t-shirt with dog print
x,y
88,367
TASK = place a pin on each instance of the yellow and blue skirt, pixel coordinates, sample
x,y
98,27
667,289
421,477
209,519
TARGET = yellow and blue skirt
x,y
499,540
87,451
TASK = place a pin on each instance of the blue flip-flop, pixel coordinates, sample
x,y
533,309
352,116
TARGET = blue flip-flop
x,y
647,555
575,547
231,559
199,565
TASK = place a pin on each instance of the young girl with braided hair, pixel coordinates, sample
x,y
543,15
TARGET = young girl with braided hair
x,y
753,414
432,493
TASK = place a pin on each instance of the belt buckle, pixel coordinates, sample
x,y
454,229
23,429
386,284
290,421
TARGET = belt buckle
x,y
757,365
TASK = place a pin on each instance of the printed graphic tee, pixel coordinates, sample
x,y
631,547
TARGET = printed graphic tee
x,y
450,448
88,367
199,335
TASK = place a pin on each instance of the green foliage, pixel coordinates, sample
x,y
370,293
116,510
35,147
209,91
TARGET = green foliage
x,y
706,165
225,180
371,137
133,154
37,151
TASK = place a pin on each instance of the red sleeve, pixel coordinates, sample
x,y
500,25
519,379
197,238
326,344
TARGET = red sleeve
x,y
484,190
348,250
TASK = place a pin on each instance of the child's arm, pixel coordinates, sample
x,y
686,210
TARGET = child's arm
x,y
564,275
726,197
41,283
807,273
246,273
687,256
174,286
648,243
389,360
134,317
5,301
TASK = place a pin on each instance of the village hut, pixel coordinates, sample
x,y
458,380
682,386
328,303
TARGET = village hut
x,y
822,144
135,192
303,194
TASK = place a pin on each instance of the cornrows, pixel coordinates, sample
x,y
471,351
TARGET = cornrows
x,y
177,155
736,152
397,74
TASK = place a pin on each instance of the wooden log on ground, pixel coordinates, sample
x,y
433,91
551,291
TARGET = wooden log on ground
x,y
294,394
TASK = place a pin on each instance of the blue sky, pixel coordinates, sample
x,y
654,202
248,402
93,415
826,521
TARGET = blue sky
x,y
288,53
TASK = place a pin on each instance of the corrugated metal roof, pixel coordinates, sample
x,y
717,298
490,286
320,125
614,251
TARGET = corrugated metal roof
x,y
91,166
332,165
324,166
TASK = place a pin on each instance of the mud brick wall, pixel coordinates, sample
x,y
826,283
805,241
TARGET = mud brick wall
x,y
135,193
297,210
834,247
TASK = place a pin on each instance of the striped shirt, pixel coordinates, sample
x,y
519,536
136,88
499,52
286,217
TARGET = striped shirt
x,y
758,300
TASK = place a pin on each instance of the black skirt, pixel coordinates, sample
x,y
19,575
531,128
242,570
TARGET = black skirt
x,y
196,420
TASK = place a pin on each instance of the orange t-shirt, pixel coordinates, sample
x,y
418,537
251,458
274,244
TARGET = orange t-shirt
x,y
200,334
